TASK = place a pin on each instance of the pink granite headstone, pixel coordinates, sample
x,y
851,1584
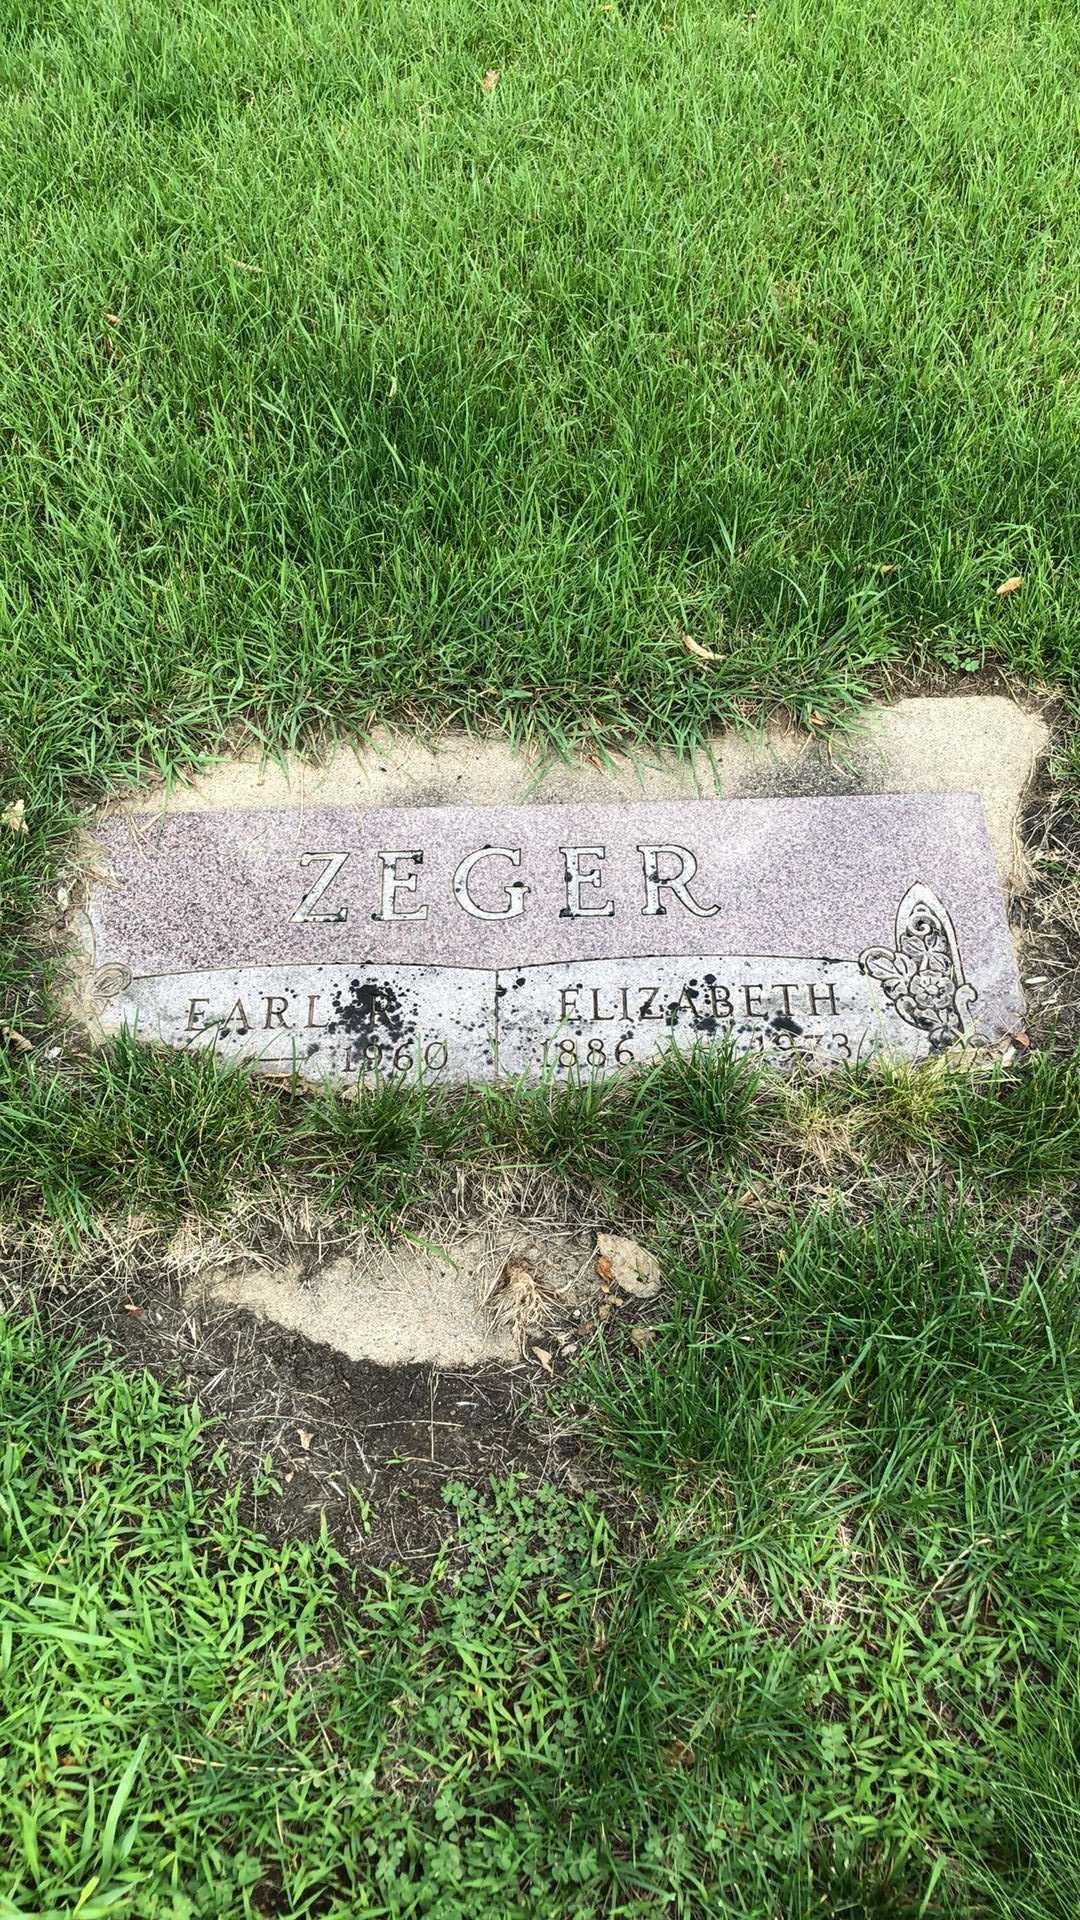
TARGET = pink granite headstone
x,y
461,942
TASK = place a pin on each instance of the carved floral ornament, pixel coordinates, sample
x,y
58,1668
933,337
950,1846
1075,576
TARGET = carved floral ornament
x,y
921,974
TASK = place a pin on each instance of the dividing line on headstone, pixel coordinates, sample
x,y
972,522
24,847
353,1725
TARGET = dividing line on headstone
x,y
553,1019
570,942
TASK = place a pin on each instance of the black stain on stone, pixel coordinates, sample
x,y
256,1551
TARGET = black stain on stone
x,y
674,1007
783,1023
371,1008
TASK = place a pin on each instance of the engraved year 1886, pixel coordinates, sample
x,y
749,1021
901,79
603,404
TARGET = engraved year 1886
x,y
596,1029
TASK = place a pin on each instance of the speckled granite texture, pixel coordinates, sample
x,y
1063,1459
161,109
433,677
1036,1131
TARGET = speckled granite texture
x,y
524,939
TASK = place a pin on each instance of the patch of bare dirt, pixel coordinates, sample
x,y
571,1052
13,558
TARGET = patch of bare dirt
x,y
370,1445
463,1292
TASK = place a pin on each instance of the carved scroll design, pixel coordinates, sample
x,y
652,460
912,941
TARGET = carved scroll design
x,y
109,982
922,974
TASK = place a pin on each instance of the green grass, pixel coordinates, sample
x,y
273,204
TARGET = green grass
x,y
333,388
744,323
162,1132
809,1651
417,398
829,1671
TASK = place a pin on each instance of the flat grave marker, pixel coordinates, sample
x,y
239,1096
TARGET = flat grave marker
x,y
496,943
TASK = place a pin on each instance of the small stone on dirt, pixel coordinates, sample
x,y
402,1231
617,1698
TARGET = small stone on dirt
x,y
632,1269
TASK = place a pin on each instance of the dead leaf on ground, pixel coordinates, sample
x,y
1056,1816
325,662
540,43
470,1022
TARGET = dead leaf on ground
x,y
633,1270
642,1337
518,1295
137,1313
11,1037
491,79
545,1358
1010,585
887,566
15,817
605,1271
516,1275
696,650
305,1437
